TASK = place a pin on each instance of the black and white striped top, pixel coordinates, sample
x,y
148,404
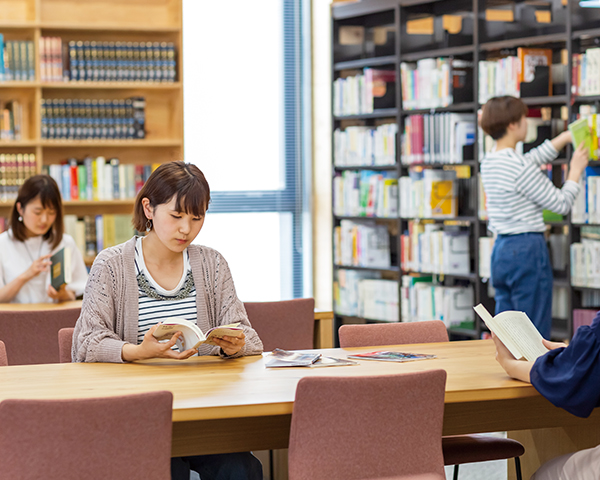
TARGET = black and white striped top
x,y
153,310
517,190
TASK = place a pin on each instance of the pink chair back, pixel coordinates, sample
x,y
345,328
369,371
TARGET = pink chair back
x,y
3,359
289,324
373,335
65,342
96,438
30,336
349,428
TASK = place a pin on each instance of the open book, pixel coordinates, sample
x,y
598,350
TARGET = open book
x,y
192,336
60,273
515,331
284,358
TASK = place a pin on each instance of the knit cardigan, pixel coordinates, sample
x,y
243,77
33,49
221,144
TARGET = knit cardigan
x,y
110,309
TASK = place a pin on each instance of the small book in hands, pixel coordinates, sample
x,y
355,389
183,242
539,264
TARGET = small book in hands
x,y
388,356
284,358
60,271
191,336
515,331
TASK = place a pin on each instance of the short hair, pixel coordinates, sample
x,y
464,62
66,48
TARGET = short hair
x,y
44,187
499,112
183,181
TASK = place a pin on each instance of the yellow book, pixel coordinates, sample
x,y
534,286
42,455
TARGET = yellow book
x,y
442,198
109,230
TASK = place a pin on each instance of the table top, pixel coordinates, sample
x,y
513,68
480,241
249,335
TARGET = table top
x,y
211,387
4,307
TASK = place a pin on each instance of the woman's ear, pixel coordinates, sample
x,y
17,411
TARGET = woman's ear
x,y
148,210
19,208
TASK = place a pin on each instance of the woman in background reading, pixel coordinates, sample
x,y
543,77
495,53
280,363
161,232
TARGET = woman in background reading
x,y
136,285
35,233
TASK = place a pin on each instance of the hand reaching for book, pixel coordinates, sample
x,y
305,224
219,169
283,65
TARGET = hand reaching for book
x,y
38,266
153,348
578,162
231,345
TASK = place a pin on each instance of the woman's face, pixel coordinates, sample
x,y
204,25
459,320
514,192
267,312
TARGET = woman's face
x,y
36,218
176,230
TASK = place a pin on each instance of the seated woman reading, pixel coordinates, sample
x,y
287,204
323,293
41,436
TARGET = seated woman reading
x,y
134,286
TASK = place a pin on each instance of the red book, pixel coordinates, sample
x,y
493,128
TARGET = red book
x,y
139,178
74,180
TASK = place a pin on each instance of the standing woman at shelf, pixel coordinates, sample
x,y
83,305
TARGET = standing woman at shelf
x,y
35,233
134,286
517,192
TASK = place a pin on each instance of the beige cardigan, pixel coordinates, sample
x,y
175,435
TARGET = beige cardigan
x,y
109,313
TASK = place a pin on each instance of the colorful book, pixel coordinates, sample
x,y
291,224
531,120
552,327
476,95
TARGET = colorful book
x,y
390,356
581,133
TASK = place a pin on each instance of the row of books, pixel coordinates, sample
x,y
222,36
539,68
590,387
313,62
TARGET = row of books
x,y
11,119
15,168
585,263
429,193
433,248
92,234
586,208
346,288
378,300
430,82
93,119
358,146
421,300
363,93
437,138
499,77
98,179
16,60
116,61
586,72
361,244
365,194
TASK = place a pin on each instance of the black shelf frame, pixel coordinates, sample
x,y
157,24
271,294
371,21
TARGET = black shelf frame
x,y
476,50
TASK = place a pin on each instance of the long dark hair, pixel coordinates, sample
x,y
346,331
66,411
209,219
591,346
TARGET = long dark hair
x,y
45,187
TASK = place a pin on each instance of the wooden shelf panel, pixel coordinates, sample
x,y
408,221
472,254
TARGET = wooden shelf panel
x,y
110,85
18,84
110,143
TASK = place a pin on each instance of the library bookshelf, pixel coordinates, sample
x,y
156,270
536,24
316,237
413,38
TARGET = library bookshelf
x,y
96,21
384,35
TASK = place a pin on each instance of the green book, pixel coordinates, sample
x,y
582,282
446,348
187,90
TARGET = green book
x,y
60,272
580,132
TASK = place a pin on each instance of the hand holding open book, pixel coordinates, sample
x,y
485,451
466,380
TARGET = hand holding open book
x,y
191,335
516,332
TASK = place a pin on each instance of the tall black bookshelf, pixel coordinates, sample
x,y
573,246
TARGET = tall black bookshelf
x,y
486,28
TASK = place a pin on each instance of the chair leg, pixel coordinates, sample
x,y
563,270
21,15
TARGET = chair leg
x,y
272,475
518,468
455,477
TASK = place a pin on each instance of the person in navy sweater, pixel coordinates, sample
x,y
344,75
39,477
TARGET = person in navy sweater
x,y
569,377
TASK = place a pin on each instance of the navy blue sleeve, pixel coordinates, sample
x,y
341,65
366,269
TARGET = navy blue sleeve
x,y
570,377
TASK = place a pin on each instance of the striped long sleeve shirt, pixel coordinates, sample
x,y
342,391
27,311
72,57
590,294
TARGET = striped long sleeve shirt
x,y
517,190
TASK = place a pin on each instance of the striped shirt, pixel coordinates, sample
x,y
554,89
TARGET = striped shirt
x,y
153,310
517,190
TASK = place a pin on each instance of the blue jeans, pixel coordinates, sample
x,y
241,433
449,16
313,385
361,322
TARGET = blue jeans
x,y
522,277
226,466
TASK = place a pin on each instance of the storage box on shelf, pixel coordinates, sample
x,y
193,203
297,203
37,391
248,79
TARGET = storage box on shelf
x,y
554,46
138,30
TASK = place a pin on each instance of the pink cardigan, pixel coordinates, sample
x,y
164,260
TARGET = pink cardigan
x,y
109,313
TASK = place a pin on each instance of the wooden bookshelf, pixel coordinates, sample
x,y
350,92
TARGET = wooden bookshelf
x,y
476,40
103,21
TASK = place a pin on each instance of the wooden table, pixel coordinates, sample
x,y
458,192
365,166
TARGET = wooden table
x,y
237,405
23,307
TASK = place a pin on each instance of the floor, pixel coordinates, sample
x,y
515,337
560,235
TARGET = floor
x,y
480,471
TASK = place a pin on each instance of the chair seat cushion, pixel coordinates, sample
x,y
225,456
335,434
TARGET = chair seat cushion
x,y
461,449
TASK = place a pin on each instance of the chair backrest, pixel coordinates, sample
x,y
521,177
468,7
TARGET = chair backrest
x,y
95,438
289,324
3,359
381,426
373,335
65,342
30,335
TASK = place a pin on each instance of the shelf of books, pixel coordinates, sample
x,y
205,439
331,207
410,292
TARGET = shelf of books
x,y
408,204
92,95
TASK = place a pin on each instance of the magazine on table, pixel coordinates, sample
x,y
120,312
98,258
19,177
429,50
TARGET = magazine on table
x,y
389,356
283,358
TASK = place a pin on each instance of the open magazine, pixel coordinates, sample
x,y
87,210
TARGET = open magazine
x,y
192,336
284,358
515,330
388,356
